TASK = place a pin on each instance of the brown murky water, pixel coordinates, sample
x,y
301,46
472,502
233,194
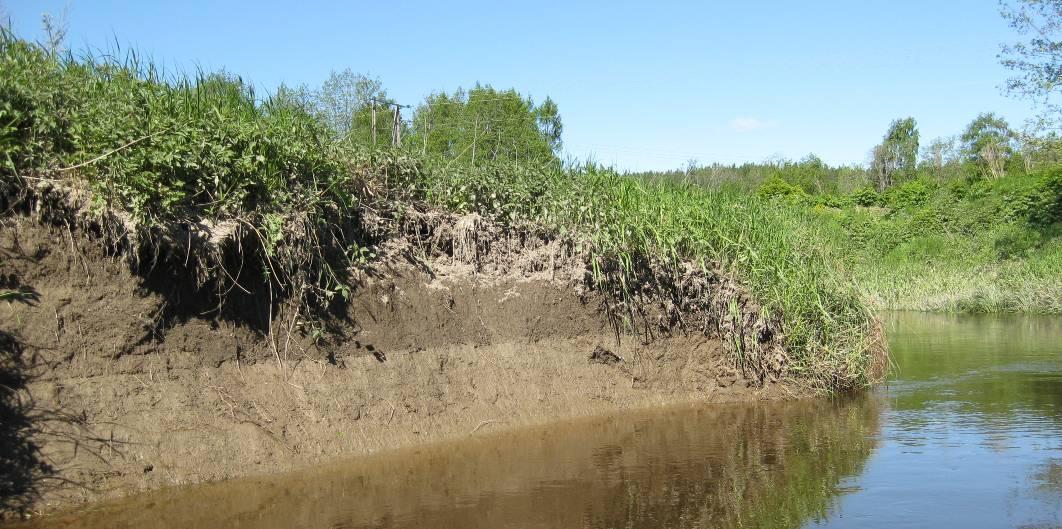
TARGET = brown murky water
x,y
967,434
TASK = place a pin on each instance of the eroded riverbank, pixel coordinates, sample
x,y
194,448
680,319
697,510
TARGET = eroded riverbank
x,y
120,386
966,434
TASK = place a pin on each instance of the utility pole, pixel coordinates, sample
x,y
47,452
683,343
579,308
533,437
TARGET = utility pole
x,y
396,128
374,122
424,133
475,135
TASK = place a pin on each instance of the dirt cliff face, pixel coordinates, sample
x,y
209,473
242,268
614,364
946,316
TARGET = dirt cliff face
x,y
128,378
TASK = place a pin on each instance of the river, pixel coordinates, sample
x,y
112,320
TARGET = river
x,y
966,433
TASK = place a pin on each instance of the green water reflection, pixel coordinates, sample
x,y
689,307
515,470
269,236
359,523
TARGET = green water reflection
x,y
971,427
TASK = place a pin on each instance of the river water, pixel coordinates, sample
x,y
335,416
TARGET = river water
x,y
967,433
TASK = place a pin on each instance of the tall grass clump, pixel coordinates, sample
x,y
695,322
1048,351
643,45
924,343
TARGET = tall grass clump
x,y
827,329
622,221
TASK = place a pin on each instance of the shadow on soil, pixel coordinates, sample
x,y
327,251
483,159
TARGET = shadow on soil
x,y
21,464
26,471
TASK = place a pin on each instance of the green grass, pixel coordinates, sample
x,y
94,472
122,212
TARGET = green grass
x,y
174,150
1014,287
825,323
950,239
980,246
622,219
182,149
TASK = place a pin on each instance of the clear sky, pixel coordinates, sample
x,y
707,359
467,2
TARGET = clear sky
x,y
640,85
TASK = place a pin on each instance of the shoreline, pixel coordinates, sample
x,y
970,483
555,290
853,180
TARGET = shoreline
x,y
468,462
405,435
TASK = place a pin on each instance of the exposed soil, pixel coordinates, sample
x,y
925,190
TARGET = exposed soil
x,y
130,381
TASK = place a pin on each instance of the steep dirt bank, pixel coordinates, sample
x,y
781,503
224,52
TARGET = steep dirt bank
x,y
125,379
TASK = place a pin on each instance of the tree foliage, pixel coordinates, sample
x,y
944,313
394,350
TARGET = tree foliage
x,y
897,155
344,103
1036,61
485,124
988,143
344,97
938,157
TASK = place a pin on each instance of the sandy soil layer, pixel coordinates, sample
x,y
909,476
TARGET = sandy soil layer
x,y
114,384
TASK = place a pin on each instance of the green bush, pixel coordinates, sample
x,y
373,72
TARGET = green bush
x,y
1045,211
830,200
1015,241
157,148
959,188
867,197
910,194
775,187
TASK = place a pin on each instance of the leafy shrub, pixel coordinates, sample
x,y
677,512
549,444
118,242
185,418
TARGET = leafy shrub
x,y
925,220
909,194
870,234
1015,241
867,197
158,148
31,129
777,187
958,188
1045,210
504,189
831,200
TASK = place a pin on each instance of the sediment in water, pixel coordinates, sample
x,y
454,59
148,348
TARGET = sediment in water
x,y
140,358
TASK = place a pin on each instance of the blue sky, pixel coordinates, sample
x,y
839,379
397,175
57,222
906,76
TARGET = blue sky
x,y
639,85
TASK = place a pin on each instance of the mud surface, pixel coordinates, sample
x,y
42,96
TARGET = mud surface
x,y
122,385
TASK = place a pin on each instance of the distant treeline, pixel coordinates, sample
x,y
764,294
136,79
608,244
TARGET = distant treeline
x,y
969,223
988,148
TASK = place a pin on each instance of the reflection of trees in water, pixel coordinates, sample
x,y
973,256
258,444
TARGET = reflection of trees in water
x,y
1046,480
956,334
767,465
1048,477
993,368
777,468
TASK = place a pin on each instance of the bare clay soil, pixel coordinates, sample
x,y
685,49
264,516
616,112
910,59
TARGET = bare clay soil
x,y
126,389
